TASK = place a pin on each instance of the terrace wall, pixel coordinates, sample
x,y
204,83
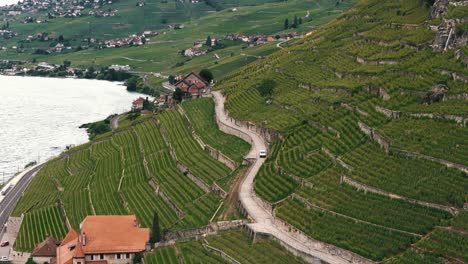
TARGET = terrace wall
x,y
398,114
449,164
208,229
218,155
366,188
374,135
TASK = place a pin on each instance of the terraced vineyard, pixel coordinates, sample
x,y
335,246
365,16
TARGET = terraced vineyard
x,y
235,243
201,114
188,151
35,226
331,97
129,172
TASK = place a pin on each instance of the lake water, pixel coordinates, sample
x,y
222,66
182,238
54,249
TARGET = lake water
x,y
39,117
8,2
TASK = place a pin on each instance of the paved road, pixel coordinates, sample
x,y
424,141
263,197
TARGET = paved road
x,y
264,220
115,121
12,197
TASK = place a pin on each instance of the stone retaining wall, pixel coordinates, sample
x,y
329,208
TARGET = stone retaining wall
x,y
266,133
208,229
221,253
374,135
449,164
200,183
218,155
379,91
398,114
319,245
366,188
336,159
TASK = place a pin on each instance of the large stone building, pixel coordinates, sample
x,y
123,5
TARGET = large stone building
x,y
103,239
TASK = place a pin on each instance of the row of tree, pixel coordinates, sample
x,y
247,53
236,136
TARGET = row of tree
x,y
296,22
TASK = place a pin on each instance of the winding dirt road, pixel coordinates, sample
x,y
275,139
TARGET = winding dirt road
x,y
263,220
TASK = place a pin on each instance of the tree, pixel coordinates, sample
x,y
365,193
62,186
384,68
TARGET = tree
x,y
208,41
137,258
206,74
155,229
300,20
177,95
30,261
66,63
266,88
60,38
172,79
286,23
132,84
296,22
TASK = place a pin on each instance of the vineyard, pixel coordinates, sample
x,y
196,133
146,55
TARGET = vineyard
x,y
320,90
129,172
201,114
234,243
188,151
36,225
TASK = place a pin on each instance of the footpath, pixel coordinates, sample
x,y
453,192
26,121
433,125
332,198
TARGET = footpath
x,y
264,223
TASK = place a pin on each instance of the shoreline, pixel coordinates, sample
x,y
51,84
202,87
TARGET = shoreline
x,y
13,167
11,182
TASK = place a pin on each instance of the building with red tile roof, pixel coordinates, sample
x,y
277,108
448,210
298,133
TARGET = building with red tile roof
x,y
46,250
193,85
138,104
112,239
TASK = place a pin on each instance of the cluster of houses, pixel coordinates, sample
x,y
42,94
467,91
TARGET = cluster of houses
x,y
260,39
198,50
99,13
134,39
191,85
56,8
106,239
7,33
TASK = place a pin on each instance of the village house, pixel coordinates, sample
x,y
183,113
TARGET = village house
x,y
111,239
46,251
138,104
193,85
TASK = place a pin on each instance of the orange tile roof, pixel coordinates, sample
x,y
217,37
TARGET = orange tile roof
x,y
113,233
78,252
64,254
103,234
72,234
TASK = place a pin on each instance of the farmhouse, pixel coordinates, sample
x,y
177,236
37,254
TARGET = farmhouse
x,y
112,239
46,251
138,104
193,85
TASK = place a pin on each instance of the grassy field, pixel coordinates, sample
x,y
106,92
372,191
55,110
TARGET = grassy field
x,y
163,52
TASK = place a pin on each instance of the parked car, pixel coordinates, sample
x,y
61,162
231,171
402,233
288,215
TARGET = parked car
x,y
4,258
4,244
263,154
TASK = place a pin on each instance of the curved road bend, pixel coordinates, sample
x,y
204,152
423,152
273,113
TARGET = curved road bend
x,y
264,221
115,121
13,195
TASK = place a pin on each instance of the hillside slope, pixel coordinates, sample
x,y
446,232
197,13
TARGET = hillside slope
x,y
366,103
